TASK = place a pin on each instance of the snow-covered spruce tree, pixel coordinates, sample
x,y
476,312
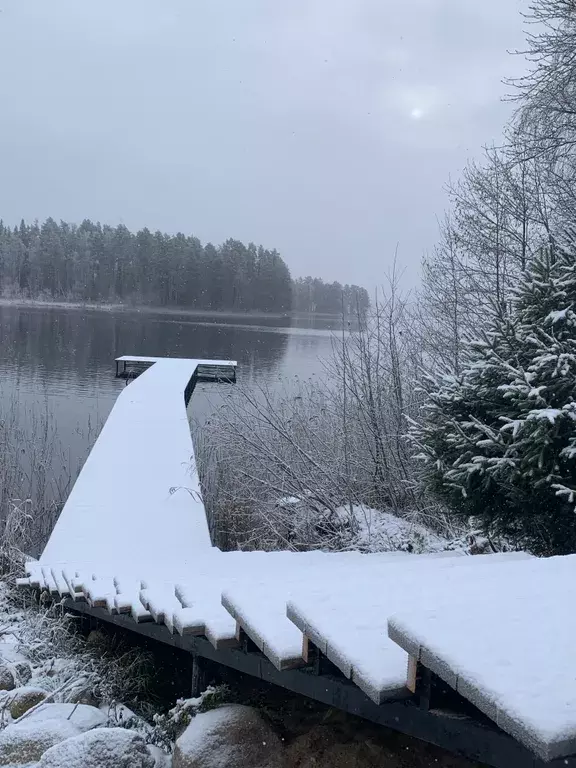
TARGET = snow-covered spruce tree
x,y
499,441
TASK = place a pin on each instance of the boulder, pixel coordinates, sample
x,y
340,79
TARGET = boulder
x,y
24,698
234,736
25,742
7,681
102,748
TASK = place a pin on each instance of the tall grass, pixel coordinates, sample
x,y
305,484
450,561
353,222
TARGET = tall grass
x,y
36,476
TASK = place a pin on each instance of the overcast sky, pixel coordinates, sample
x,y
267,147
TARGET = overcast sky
x,y
324,128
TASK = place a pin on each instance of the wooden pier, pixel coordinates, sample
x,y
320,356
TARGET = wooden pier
x,y
473,654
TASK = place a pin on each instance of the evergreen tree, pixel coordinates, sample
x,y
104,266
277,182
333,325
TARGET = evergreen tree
x,y
499,440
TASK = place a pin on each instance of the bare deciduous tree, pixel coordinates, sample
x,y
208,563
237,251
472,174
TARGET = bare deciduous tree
x,y
307,466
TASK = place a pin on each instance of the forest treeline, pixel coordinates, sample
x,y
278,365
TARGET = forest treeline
x,y
309,294
99,263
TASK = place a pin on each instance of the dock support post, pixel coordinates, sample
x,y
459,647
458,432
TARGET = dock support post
x,y
311,655
424,687
246,643
198,675
419,682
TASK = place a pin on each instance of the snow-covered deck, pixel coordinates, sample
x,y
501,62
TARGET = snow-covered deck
x,y
133,541
137,496
489,626
507,644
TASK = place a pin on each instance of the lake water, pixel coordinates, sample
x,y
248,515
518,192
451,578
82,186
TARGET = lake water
x,y
60,363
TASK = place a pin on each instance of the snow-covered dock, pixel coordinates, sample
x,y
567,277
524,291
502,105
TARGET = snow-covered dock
x,y
137,492
406,640
506,643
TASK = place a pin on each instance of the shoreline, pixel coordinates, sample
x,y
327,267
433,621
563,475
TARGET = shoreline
x,y
153,309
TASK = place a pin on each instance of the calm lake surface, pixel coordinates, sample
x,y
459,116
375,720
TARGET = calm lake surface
x,y
58,364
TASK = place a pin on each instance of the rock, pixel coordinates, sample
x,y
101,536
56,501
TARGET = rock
x,y
479,545
233,736
102,748
7,681
23,699
23,671
81,693
26,742
83,696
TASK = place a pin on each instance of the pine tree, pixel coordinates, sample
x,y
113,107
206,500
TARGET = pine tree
x,y
499,440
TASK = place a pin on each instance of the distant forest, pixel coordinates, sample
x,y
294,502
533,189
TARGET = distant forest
x,y
99,263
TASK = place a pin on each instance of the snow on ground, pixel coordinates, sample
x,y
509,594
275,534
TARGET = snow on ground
x,y
378,531
41,653
81,716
